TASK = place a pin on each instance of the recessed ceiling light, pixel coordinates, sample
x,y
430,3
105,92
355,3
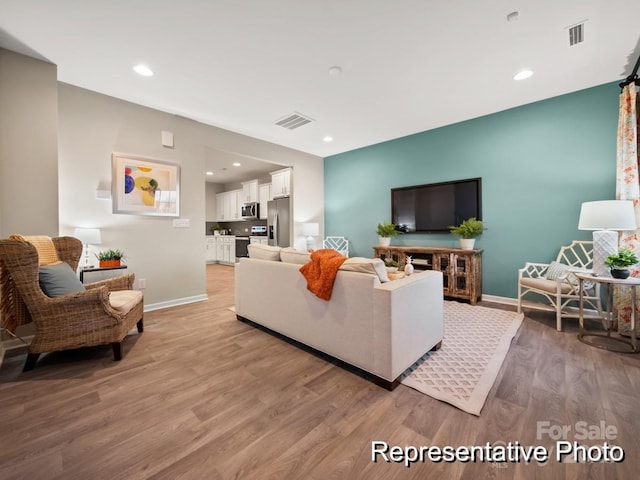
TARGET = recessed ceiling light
x,y
236,164
335,70
522,75
209,173
328,139
143,70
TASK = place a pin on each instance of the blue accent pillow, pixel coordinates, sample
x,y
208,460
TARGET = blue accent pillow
x,y
59,279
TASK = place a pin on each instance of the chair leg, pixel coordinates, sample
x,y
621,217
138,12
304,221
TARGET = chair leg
x,y
519,300
32,358
140,325
117,351
559,315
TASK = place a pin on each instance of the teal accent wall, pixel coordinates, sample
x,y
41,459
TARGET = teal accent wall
x,y
538,163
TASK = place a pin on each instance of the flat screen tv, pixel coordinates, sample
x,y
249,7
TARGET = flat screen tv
x,y
436,206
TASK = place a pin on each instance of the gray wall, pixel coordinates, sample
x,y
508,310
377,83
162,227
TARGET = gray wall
x,y
172,260
28,146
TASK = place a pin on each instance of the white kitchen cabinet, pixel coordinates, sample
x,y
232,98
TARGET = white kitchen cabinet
x,y
211,254
249,191
260,240
220,198
281,183
238,210
264,195
219,248
227,249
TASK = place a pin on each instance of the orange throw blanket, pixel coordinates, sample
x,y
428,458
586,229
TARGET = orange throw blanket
x,y
321,272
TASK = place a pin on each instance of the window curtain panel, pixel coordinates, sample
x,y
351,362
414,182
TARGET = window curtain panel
x,y
628,188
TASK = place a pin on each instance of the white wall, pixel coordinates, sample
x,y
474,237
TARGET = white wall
x,y
92,126
28,146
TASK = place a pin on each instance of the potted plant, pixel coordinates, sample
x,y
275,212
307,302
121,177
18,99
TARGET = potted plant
x,y
391,265
468,230
216,229
386,231
109,258
619,262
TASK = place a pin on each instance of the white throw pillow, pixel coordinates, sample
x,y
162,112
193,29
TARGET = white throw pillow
x,y
291,255
366,265
264,252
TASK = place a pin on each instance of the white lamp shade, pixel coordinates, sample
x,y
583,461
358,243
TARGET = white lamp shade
x,y
607,215
88,236
310,229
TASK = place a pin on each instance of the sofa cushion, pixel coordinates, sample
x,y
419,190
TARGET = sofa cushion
x,y
124,300
59,279
264,252
366,265
291,255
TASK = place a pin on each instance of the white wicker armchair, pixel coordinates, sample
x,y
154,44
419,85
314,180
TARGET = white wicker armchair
x,y
554,286
340,244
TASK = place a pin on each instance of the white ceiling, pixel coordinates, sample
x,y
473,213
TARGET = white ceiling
x,y
407,65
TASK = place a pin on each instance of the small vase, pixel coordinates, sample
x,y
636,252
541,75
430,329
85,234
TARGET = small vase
x,y
384,241
467,243
620,273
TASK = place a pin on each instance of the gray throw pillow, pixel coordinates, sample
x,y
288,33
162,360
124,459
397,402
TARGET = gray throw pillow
x,y
58,279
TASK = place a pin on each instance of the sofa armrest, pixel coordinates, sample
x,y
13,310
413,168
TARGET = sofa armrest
x,y
409,311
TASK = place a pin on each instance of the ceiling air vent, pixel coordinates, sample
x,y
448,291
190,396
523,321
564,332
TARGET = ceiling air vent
x,y
576,34
294,120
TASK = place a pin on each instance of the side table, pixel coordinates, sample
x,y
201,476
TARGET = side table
x,y
98,269
629,345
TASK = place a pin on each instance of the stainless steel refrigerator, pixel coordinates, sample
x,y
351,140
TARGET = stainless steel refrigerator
x,y
279,222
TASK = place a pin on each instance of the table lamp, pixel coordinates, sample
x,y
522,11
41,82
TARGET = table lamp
x,y
88,236
310,230
606,218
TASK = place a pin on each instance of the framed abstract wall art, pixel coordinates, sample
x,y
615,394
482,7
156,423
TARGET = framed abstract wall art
x,y
145,186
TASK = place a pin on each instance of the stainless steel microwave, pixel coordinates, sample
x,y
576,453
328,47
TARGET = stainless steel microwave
x,y
250,210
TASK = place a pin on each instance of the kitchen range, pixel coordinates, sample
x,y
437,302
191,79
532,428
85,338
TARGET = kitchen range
x,y
258,235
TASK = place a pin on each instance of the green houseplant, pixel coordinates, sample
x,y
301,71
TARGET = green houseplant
x,y
619,262
468,230
109,258
386,231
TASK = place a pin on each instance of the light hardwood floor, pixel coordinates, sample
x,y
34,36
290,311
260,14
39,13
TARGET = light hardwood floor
x,y
200,395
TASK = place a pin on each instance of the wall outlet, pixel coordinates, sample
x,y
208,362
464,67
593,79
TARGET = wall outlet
x,y
142,283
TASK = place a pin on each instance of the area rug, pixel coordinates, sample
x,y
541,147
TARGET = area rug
x,y
476,341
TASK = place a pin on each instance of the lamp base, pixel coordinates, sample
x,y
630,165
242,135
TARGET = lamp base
x,y
311,245
605,243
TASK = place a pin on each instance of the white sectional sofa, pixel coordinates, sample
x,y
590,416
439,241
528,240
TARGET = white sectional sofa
x,y
381,329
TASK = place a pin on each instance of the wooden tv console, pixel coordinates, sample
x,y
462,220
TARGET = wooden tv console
x,y
461,269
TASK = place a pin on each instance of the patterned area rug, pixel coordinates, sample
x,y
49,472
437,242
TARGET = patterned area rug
x,y
476,341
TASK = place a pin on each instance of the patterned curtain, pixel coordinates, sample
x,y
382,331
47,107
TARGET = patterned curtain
x,y
628,188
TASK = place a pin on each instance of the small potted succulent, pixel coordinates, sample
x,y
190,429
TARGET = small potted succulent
x,y
619,262
391,265
109,258
468,230
216,229
386,231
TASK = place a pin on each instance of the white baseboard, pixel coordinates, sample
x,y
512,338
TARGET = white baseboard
x,y
175,303
498,299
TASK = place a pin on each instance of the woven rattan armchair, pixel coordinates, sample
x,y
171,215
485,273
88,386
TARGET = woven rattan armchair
x,y
102,314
